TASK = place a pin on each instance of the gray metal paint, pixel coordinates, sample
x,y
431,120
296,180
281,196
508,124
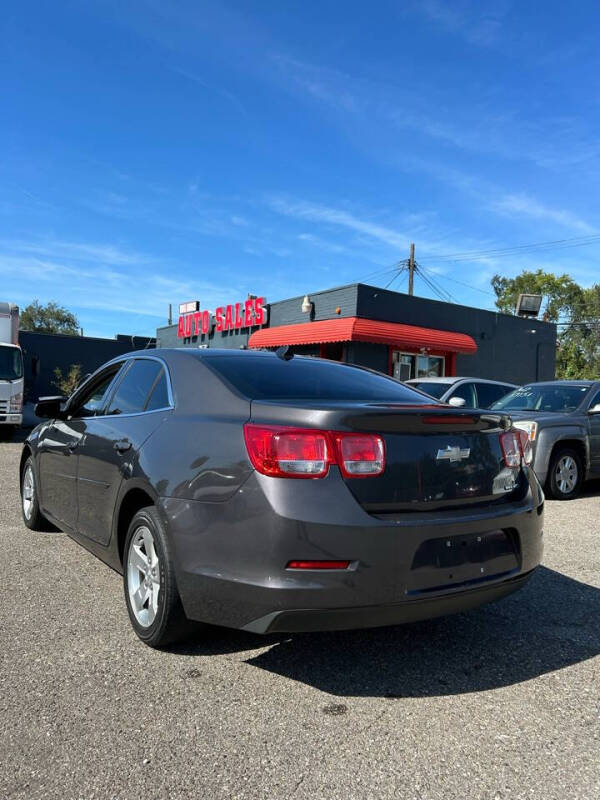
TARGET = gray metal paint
x,y
233,530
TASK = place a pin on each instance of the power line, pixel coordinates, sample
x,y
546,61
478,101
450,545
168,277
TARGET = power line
x,y
430,280
554,244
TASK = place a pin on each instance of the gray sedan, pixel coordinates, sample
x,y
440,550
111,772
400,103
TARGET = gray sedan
x,y
562,420
270,493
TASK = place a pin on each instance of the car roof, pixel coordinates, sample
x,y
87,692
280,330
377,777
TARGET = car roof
x,y
562,383
450,379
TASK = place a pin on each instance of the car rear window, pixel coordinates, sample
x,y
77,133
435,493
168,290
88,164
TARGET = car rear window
x,y
309,379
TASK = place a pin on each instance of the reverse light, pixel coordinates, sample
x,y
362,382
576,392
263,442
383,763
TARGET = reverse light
x,y
285,452
530,429
16,403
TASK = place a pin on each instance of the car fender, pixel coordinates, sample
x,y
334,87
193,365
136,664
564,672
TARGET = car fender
x,y
549,437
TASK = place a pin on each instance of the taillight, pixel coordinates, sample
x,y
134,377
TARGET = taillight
x,y
516,448
360,454
526,447
317,565
307,453
511,448
291,452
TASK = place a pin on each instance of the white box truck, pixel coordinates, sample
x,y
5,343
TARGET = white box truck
x,y
11,371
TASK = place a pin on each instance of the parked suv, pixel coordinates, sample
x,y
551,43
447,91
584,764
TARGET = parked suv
x,y
463,392
562,419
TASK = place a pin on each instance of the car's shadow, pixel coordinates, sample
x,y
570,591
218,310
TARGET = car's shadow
x,y
550,624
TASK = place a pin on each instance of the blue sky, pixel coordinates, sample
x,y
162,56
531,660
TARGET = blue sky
x,y
155,152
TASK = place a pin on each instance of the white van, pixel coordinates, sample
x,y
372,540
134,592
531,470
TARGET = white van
x,y
11,371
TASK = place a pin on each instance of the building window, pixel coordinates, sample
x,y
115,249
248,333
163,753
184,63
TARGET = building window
x,y
408,365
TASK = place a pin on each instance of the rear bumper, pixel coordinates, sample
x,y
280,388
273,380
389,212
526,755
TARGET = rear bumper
x,y
231,557
328,619
11,419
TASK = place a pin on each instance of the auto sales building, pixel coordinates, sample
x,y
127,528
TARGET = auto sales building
x,y
395,333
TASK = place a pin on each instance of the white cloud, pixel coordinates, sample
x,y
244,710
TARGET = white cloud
x,y
519,205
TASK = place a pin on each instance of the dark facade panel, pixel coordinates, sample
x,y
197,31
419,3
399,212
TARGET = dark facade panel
x,y
44,352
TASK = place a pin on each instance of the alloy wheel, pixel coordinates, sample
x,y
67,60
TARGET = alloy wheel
x,y
143,576
566,474
28,492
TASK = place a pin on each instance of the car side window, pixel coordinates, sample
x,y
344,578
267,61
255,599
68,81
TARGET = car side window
x,y
133,392
467,392
92,401
159,394
595,400
488,393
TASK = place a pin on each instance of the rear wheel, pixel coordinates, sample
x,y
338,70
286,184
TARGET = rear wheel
x,y
565,475
151,594
30,507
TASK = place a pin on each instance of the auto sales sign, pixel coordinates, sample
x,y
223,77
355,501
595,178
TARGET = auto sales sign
x,y
250,313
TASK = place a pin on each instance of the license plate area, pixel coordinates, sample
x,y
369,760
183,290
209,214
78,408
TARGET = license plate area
x,y
455,560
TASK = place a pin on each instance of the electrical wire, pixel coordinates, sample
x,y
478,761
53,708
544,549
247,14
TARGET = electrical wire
x,y
554,244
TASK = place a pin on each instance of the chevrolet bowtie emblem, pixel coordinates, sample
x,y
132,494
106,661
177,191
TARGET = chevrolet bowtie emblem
x,y
453,454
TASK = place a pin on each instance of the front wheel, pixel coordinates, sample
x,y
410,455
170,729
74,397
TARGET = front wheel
x,y
565,475
30,506
151,594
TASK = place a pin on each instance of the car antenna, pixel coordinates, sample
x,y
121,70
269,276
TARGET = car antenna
x,y
285,353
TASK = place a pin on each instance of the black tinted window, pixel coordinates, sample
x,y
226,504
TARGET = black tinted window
x,y
309,379
93,400
433,389
11,363
488,393
160,394
466,391
132,393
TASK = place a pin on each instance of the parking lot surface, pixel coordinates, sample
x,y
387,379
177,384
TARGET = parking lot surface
x,y
502,702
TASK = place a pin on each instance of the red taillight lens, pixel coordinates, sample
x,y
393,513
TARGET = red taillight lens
x,y
288,452
526,447
318,565
360,454
511,448
306,453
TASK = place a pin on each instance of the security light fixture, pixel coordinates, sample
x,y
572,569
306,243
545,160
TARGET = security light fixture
x,y
306,305
528,305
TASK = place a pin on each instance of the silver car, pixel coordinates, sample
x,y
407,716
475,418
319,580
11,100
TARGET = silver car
x,y
463,392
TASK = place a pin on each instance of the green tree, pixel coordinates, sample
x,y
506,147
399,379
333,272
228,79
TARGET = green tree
x,y
49,318
69,382
576,311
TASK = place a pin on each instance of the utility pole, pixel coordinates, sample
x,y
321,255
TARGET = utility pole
x,y
411,269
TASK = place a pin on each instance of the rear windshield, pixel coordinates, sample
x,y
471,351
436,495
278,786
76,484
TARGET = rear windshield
x,y
309,379
542,398
11,364
433,389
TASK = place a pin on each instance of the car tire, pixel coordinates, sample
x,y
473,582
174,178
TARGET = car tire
x,y
30,507
151,595
565,475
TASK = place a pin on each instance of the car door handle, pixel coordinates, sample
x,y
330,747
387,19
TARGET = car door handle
x,y
122,446
72,445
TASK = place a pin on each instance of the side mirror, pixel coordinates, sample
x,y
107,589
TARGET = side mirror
x,y
594,409
457,402
49,407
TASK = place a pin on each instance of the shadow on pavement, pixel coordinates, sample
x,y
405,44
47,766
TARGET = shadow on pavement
x,y
550,624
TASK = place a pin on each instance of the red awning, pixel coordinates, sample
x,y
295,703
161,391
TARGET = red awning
x,y
356,329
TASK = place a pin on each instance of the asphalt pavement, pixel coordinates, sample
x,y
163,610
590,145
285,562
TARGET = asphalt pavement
x,y
501,702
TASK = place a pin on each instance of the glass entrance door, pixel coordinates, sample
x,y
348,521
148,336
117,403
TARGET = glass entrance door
x,y
409,365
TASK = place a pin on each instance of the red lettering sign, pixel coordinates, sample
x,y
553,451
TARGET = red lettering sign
x,y
235,316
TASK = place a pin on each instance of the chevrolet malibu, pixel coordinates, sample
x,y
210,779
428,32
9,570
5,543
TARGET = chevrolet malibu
x,y
276,494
